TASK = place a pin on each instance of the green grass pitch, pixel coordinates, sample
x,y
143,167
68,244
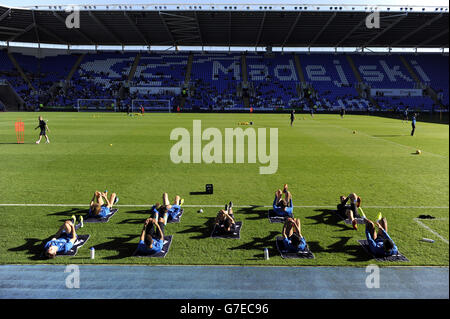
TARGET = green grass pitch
x,y
320,158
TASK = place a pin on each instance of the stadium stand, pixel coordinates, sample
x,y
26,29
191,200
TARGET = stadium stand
x,y
333,80
429,70
163,71
274,80
216,78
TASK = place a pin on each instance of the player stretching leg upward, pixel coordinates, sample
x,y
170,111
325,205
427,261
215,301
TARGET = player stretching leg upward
x,y
43,126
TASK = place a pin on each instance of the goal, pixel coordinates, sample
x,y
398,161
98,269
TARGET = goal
x,y
97,105
151,105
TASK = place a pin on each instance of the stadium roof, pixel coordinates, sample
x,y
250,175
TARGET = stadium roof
x,y
255,25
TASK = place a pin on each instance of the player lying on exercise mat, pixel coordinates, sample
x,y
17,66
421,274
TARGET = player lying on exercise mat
x,y
350,211
152,236
62,241
166,210
293,239
282,205
380,244
225,222
100,205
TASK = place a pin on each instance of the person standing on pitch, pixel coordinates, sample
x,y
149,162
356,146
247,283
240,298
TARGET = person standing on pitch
x,y
413,124
43,126
405,115
292,117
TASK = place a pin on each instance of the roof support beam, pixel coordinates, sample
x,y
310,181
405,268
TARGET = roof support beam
x,y
62,20
5,14
36,31
181,28
417,30
291,29
50,33
31,26
161,15
135,27
437,36
356,27
199,29
379,34
229,31
10,33
11,29
261,27
322,30
105,28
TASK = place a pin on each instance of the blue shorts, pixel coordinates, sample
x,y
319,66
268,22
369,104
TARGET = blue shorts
x,y
282,213
105,211
174,211
301,246
68,246
143,248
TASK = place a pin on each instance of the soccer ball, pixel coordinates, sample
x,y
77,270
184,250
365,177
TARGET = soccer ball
x,y
200,210
418,152
354,132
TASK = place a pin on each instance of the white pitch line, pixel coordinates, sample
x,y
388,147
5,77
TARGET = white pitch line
x,y
431,230
218,206
389,141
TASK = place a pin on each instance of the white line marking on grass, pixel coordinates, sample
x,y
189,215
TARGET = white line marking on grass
x,y
406,146
392,142
218,206
431,230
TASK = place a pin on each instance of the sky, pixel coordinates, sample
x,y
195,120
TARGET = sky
x,y
18,3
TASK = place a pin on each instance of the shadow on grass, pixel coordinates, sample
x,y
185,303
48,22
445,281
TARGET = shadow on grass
x,y
260,212
341,246
15,143
329,217
358,253
34,247
141,211
68,213
259,244
121,245
137,221
199,193
203,231
390,135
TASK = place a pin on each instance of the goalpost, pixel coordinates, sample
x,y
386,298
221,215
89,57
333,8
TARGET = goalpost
x,y
151,105
102,105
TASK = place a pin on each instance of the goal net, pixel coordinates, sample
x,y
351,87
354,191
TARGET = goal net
x,y
151,105
100,105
